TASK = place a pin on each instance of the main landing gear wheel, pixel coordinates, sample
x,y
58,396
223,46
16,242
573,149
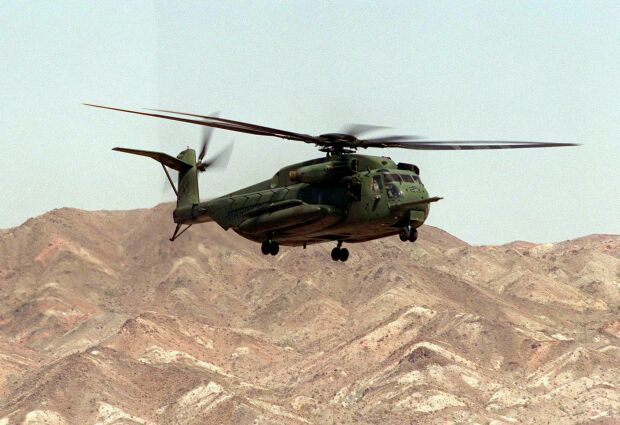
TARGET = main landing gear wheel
x,y
339,253
270,247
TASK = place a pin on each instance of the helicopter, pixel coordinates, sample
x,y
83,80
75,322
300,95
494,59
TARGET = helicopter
x,y
341,197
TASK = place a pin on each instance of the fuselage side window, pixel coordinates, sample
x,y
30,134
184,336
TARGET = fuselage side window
x,y
376,184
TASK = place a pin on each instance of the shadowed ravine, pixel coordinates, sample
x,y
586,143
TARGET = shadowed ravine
x,y
104,321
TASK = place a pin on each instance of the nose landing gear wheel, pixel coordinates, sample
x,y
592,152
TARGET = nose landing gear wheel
x,y
405,233
274,248
413,236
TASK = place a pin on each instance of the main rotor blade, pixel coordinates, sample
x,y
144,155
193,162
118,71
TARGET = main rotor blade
x,y
405,142
441,145
356,130
390,139
221,124
272,131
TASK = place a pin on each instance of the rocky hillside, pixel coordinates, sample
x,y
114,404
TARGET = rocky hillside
x,y
104,321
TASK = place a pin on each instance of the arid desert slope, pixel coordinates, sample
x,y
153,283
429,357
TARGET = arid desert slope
x,y
104,321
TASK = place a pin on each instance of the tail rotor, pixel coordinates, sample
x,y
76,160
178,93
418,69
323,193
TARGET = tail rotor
x,y
218,161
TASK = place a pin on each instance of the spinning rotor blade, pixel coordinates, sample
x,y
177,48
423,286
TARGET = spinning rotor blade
x,y
206,136
221,159
268,131
218,161
444,145
356,130
335,142
225,125
392,139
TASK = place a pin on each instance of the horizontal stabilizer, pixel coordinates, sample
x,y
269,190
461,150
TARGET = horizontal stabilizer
x,y
165,159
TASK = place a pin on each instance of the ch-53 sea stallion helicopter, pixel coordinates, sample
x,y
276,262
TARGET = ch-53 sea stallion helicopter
x,y
341,197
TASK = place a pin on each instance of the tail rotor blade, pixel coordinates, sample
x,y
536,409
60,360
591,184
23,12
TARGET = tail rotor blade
x,y
218,161
206,137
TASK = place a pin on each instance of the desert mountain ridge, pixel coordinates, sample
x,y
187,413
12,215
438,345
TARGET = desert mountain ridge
x,y
170,206
104,321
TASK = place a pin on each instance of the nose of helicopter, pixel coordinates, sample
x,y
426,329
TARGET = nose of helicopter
x,y
410,199
415,193
416,207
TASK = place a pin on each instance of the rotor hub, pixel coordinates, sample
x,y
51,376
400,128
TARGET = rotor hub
x,y
338,143
341,138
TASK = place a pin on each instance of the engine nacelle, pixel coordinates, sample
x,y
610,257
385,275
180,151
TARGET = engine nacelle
x,y
324,172
408,167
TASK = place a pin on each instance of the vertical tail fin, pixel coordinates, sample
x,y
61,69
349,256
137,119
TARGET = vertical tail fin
x,y
188,193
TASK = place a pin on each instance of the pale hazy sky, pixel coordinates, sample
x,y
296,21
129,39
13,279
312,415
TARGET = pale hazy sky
x,y
547,71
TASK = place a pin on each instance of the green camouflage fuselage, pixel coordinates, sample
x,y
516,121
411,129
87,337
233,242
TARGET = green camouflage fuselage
x,y
346,197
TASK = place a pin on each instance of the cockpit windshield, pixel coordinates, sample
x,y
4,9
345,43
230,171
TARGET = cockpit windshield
x,y
396,183
392,185
408,178
392,177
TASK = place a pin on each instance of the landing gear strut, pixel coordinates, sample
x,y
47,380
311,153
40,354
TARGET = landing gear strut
x,y
408,233
270,247
340,253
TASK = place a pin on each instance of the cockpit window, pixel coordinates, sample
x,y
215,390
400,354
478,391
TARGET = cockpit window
x,y
391,177
407,178
393,191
